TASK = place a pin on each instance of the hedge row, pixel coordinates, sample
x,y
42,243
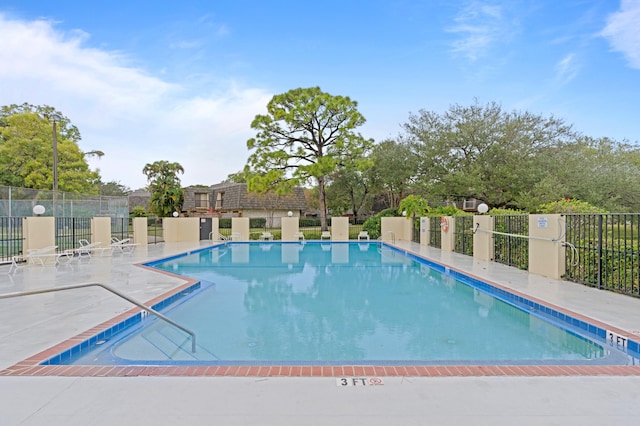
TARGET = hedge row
x,y
254,222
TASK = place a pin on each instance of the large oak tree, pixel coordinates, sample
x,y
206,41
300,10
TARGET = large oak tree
x,y
483,152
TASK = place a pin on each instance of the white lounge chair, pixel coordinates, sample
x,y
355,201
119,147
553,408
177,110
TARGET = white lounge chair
x,y
124,246
363,235
13,267
325,235
266,236
87,248
41,256
115,240
298,236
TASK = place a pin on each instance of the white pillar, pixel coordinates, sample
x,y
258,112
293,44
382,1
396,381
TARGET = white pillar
x,y
483,242
546,251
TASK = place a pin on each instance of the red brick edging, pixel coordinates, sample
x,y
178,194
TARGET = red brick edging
x,y
28,369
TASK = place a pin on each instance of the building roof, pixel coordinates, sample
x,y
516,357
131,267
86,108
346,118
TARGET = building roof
x,y
236,197
139,198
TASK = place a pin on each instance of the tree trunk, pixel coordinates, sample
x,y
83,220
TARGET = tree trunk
x,y
323,204
354,209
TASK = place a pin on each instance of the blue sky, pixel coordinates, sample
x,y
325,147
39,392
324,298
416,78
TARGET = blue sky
x,y
182,81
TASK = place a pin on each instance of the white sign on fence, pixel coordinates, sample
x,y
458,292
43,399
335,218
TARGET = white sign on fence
x,y
543,222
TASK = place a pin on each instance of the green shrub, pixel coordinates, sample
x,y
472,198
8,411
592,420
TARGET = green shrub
x,y
312,234
414,206
569,205
309,222
138,211
391,212
373,226
505,212
224,223
446,211
257,222
277,235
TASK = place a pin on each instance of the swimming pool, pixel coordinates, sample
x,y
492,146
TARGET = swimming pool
x,y
346,303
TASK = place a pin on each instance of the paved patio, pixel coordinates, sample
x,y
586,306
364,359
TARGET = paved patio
x,y
32,324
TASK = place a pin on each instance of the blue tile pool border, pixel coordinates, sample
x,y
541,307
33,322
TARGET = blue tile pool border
x,y
561,318
94,341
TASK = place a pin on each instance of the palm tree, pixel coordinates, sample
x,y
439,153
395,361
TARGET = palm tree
x,y
167,195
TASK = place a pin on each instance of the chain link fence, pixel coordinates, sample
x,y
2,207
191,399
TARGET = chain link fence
x,y
19,202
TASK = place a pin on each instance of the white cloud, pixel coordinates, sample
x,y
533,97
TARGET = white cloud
x,y
219,29
622,31
567,68
135,118
479,27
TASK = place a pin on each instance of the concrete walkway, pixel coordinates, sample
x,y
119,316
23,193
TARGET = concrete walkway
x,y
31,324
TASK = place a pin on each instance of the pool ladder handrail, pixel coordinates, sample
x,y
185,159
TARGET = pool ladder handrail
x,y
219,235
112,290
393,237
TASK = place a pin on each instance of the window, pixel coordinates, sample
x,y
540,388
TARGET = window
x,y
219,198
202,200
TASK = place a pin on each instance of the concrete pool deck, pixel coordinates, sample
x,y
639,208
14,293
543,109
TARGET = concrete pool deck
x,y
32,324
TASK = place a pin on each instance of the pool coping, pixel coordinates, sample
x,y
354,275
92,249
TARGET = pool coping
x,y
32,366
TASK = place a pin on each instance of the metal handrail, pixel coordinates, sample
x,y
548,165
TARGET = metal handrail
x,y
220,237
393,236
112,290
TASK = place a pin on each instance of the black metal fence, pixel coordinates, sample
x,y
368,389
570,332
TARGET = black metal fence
x,y
464,235
10,237
224,227
415,236
310,228
70,230
121,227
154,230
603,251
509,249
435,234
257,225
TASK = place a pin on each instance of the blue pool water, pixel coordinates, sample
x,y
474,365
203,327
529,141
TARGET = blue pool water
x,y
316,303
